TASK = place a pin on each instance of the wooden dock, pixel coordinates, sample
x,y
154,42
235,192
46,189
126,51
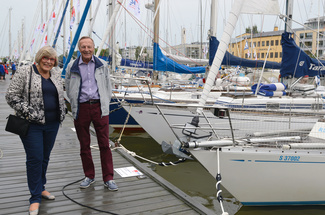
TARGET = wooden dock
x,y
146,195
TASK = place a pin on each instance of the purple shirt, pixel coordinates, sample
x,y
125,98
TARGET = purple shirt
x,y
89,89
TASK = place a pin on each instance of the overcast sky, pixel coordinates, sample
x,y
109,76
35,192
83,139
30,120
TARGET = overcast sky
x,y
175,15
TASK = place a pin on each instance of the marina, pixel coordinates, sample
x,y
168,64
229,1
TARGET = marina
x,y
223,140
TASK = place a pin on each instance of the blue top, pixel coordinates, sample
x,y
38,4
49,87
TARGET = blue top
x,y
13,66
50,99
2,69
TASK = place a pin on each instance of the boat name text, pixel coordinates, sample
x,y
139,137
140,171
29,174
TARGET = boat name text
x,y
289,158
314,67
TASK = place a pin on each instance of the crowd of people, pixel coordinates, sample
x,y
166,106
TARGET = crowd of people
x,y
5,68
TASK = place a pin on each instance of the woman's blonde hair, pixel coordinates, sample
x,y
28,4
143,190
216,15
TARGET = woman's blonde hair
x,y
46,51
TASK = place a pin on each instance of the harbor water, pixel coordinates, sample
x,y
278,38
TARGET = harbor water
x,y
194,180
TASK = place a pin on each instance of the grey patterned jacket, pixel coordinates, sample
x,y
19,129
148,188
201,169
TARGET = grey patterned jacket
x,y
17,94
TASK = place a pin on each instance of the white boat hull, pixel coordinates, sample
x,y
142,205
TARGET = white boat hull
x,y
269,176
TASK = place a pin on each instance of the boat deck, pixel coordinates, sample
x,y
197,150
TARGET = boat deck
x,y
136,195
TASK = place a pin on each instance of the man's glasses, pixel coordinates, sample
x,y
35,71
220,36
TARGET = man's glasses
x,y
45,59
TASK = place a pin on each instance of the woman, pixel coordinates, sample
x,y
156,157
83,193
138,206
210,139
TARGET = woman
x,y
45,110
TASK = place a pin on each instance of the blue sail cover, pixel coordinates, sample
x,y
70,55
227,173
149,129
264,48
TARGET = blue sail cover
x,y
231,60
136,64
163,63
129,63
295,62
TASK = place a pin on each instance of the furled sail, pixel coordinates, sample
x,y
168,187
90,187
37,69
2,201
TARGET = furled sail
x,y
163,63
231,60
295,62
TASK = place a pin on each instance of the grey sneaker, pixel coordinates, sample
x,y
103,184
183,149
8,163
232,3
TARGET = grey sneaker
x,y
111,185
87,182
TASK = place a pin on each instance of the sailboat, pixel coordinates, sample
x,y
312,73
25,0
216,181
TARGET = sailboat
x,y
261,157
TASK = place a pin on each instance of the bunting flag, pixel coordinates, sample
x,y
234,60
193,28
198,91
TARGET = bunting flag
x,y
248,54
246,46
45,41
31,46
255,55
69,43
134,7
73,18
56,27
43,27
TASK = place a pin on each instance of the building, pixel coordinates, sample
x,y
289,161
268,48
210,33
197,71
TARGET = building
x,y
307,39
258,46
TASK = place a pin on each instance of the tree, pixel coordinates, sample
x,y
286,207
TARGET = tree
x,y
249,30
137,52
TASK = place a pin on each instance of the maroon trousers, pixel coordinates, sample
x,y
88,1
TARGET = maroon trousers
x,y
92,113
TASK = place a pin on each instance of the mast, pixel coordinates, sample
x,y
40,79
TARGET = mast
x,y
156,34
213,18
289,10
62,19
71,7
116,9
93,18
10,9
201,24
76,37
112,40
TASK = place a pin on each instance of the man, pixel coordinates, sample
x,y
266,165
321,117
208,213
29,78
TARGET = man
x,y
90,103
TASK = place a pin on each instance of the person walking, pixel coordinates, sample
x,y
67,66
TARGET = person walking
x,y
13,69
44,106
2,72
89,90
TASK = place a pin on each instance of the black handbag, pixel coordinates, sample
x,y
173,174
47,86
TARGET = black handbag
x,y
16,124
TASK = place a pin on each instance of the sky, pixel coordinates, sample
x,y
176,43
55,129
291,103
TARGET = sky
x,y
174,15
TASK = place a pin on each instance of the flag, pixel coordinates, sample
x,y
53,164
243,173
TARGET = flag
x,y
31,45
255,55
73,17
134,6
56,27
69,43
43,27
246,46
52,16
44,41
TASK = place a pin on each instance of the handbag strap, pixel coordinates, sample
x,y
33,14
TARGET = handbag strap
x,y
30,83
